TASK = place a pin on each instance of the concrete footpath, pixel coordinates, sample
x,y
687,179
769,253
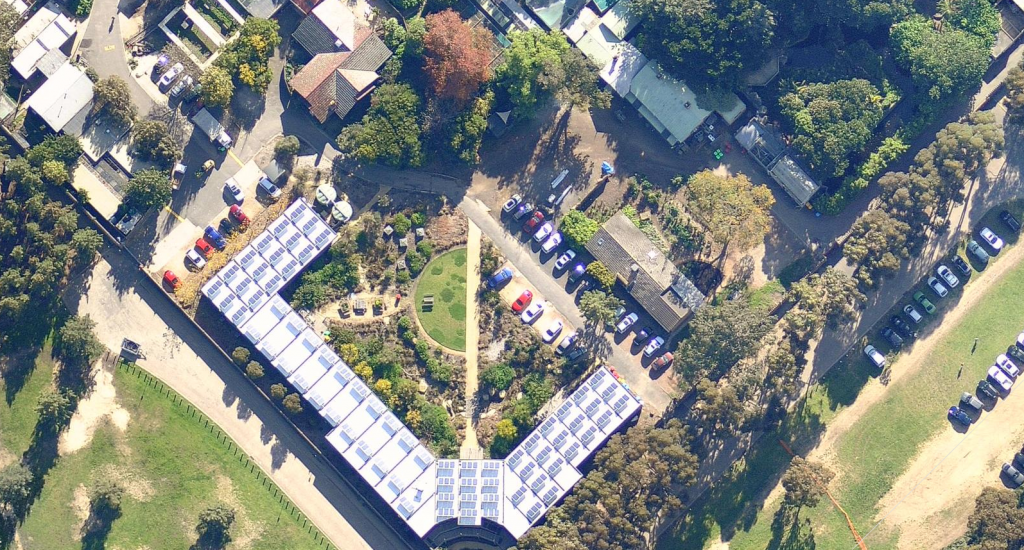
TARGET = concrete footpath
x,y
470,444
123,305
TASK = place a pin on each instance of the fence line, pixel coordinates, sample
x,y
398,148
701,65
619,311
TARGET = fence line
x,y
180,402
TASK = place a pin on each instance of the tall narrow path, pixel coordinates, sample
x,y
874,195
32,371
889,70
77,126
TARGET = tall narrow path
x,y
470,444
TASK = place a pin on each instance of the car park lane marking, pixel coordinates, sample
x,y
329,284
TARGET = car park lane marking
x,y
173,213
235,157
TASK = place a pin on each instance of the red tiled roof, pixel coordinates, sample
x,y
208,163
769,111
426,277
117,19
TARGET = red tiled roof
x,y
316,72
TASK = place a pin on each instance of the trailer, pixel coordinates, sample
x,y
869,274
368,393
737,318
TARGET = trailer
x,y
212,128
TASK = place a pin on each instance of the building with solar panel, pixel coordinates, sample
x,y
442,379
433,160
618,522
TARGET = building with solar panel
x,y
443,501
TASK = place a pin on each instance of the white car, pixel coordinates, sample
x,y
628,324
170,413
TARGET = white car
x,y
195,258
552,243
996,375
875,356
543,232
234,190
567,343
531,313
626,322
564,259
170,75
914,315
937,287
947,276
992,239
1007,366
553,330
511,203
653,346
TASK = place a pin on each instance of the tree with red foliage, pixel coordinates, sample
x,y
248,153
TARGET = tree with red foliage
x,y
457,57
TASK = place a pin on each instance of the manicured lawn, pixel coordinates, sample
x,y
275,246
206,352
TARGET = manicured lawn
x,y
444,278
21,391
172,467
873,453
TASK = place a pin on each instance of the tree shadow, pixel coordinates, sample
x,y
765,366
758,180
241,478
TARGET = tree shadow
x,y
15,370
789,532
278,454
97,527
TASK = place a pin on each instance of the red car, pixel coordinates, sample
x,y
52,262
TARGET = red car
x,y
171,280
204,248
531,224
663,361
524,300
239,215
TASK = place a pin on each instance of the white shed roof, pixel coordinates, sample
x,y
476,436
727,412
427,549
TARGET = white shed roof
x,y
296,353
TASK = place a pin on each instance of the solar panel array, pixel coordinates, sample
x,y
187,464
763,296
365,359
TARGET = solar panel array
x,y
422,490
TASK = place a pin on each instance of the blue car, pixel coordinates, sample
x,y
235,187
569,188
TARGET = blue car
x,y
959,415
500,278
215,238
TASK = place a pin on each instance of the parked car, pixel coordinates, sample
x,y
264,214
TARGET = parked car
x,y
993,240
195,259
1018,459
214,237
531,313
1010,221
1020,340
663,361
890,336
987,389
204,247
522,211
641,335
237,213
577,271
653,346
575,355
1003,382
967,399
522,301
875,356
961,265
511,203
567,343
1015,352
925,302
959,415
979,253
170,75
947,276
531,224
911,312
269,188
171,280
553,330
903,327
180,86
500,278
234,190
937,287
551,243
564,259
544,231
626,322
1016,478
1007,366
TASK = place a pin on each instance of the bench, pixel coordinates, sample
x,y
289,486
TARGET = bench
x,y
428,302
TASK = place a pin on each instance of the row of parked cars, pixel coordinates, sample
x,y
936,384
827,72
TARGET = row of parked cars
x,y
940,284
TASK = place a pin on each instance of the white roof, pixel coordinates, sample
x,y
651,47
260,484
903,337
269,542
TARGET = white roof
x,y
329,385
310,372
371,440
19,5
339,20
262,243
296,353
281,336
585,20
266,276
62,96
345,402
53,36
247,258
619,71
265,319
36,25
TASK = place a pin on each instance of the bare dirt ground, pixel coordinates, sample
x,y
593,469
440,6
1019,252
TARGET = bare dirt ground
x,y
100,405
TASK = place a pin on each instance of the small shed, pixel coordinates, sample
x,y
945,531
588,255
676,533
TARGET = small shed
x,y
420,233
403,242
388,230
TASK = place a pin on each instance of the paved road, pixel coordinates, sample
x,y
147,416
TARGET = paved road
x,y
102,48
123,305
470,443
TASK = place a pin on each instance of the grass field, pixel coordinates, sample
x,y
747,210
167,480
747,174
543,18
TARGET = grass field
x,y
873,452
18,410
171,466
444,278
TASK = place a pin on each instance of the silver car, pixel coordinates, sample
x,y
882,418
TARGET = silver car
x,y
947,276
937,287
1013,475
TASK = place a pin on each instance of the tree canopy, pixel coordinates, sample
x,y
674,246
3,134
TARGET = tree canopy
x,y
734,211
805,482
878,243
148,188
830,122
944,64
217,86
246,57
113,99
709,43
823,299
390,131
458,56
10,21
153,141
598,307
720,336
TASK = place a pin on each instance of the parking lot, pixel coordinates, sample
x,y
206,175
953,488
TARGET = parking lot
x,y
549,315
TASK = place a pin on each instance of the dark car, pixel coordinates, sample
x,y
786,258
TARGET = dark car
x,y
903,327
501,277
531,224
215,238
575,354
577,272
987,389
959,415
522,211
890,336
642,335
961,265
967,400
1010,221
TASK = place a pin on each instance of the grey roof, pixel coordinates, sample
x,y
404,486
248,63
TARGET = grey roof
x,y
369,55
50,62
314,36
262,8
345,96
661,289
